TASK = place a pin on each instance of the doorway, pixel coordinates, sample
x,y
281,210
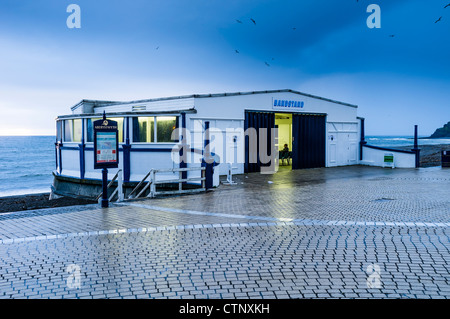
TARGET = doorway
x,y
304,134
283,142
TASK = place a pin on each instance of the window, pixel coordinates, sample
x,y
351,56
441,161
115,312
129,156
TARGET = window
x,y
145,130
73,130
59,131
90,128
164,128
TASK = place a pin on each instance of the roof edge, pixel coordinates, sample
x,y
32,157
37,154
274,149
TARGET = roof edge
x,y
199,96
97,103
275,91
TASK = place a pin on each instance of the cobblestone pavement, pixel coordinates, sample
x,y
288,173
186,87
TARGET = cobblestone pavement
x,y
352,232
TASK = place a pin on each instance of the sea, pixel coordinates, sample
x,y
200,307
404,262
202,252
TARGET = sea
x,y
396,141
27,162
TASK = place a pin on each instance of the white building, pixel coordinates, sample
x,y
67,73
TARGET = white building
x,y
319,132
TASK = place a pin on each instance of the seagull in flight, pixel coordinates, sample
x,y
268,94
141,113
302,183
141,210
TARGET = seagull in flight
x,y
267,64
448,5
392,35
236,51
238,21
438,20
254,22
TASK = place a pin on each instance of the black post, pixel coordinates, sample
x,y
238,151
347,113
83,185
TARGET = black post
x,y
105,203
126,151
362,141
209,170
183,150
416,146
106,151
206,143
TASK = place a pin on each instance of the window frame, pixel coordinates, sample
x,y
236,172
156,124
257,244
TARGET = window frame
x,y
72,131
155,129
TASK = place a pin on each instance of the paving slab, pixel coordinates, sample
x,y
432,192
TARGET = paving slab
x,y
348,232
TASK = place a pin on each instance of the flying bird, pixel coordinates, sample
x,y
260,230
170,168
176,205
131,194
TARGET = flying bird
x,y
236,51
239,21
157,48
254,22
294,28
448,5
267,63
392,35
438,20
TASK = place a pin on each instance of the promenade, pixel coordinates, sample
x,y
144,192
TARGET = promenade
x,y
346,232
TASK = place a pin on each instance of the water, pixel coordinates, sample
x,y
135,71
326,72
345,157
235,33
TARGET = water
x,y
26,164
397,141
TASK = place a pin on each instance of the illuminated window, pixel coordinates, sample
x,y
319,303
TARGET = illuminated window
x,y
145,130
73,130
164,128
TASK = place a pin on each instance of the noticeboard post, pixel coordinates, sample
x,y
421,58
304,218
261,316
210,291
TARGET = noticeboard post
x,y
106,151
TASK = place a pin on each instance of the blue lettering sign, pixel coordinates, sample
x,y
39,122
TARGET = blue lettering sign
x,y
287,103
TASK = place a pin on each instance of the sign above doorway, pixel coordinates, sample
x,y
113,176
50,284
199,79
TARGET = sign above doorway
x,y
287,104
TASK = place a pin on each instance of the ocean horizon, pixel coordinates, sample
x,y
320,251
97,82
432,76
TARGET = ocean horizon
x,y
392,141
27,162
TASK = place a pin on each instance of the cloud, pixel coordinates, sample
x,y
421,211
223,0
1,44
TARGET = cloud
x,y
47,67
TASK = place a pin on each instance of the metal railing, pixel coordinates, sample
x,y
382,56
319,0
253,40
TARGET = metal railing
x,y
118,191
152,181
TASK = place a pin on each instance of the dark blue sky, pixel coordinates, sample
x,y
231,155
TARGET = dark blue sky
x,y
146,49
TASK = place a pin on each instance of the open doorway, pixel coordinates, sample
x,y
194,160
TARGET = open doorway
x,y
283,121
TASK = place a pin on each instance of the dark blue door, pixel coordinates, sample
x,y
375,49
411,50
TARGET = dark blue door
x,y
257,120
308,141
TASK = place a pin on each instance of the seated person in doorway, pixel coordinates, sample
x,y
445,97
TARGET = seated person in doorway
x,y
285,153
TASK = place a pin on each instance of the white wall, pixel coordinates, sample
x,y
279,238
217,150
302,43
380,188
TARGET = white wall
x,y
222,133
70,161
375,157
342,144
235,106
342,120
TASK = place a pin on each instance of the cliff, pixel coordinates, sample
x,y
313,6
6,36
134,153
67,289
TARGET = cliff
x,y
442,132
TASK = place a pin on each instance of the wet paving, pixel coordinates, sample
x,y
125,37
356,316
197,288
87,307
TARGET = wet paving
x,y
347,232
